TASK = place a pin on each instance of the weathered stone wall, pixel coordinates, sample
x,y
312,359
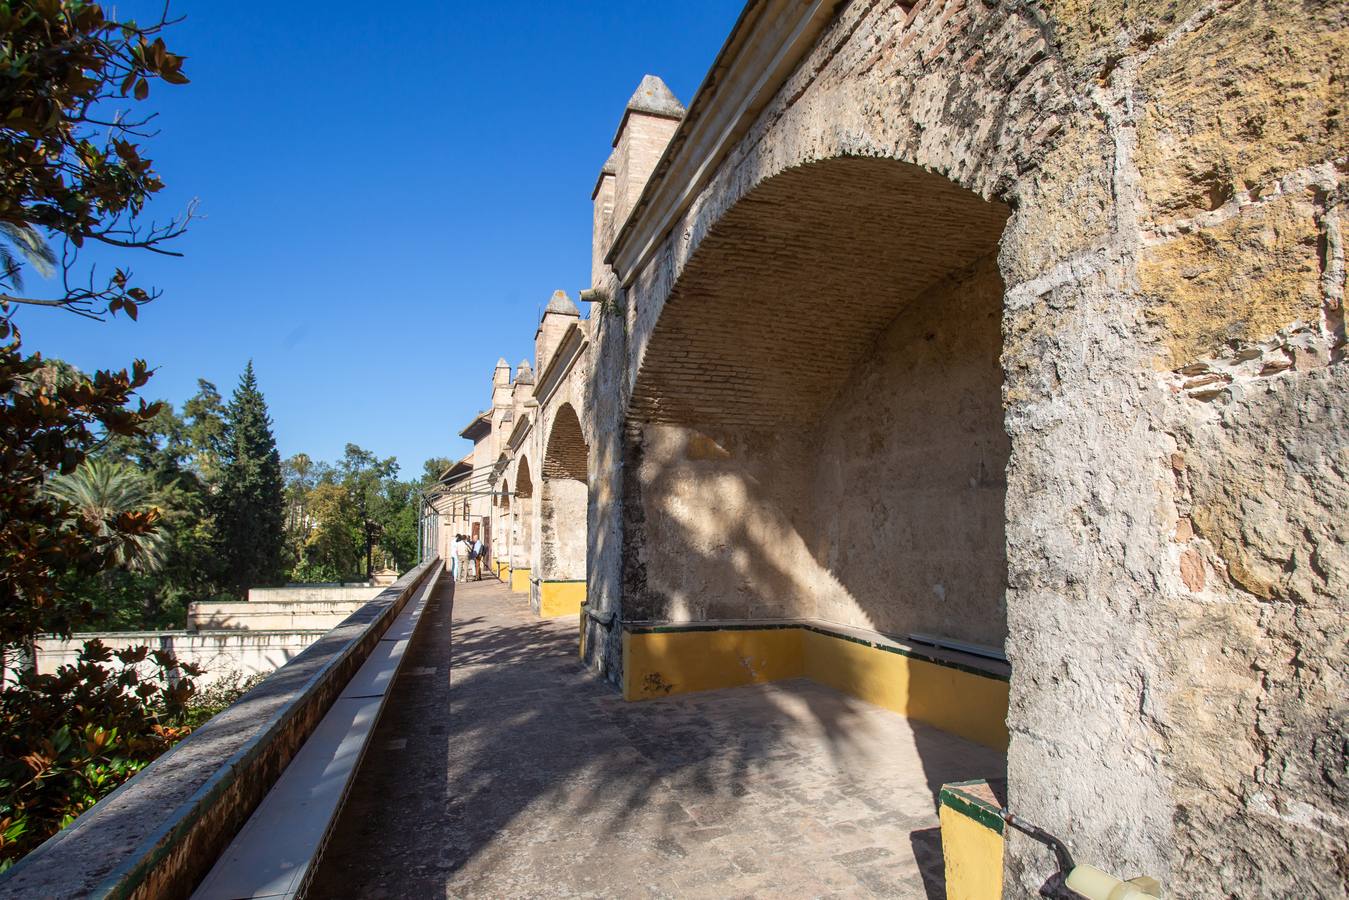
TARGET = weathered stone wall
x,y
219,653
910,478
723,526
1174,276
562,533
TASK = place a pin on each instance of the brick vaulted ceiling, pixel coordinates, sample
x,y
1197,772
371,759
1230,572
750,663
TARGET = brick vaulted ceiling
x,y
794,284
567,455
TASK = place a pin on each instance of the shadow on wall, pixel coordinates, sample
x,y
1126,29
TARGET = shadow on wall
x,y
888,515
747,782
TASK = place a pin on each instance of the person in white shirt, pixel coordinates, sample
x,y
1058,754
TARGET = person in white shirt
x,y
461,551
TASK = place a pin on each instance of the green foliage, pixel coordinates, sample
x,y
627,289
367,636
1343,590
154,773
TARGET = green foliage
x,y
71,172
49,422
432,469
204,418
345,520
250,500
68,738
70,167
216,696
99,492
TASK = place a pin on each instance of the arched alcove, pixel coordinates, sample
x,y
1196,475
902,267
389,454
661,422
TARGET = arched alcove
x,y
816,425
562,521
522,527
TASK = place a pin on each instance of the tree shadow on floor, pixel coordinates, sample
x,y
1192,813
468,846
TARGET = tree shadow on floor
x,y
515,757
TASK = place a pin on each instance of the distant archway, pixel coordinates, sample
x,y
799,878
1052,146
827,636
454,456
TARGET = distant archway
x,y
562,516
522,527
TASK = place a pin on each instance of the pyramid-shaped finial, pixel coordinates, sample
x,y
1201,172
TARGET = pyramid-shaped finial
x,y
654,97
524,374
561,304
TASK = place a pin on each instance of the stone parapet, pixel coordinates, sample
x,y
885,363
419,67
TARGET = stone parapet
x,y
158,834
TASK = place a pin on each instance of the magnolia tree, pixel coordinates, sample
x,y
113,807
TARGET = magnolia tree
x,y
72,175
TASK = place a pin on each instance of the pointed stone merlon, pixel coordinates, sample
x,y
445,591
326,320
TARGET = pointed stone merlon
x,y
524,374
649,121
601,235
558,316
501,385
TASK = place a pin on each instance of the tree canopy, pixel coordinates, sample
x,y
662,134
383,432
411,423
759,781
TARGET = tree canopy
x,y
249,503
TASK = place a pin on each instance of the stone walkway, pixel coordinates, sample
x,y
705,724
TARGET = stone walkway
x,y
501,769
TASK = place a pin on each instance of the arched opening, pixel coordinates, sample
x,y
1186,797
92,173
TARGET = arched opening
x,y
817,429
522,528
562,517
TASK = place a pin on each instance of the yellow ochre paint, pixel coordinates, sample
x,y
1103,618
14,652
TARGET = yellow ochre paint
x,y
520,581
561,598
656,664
659,664
973,854
969,705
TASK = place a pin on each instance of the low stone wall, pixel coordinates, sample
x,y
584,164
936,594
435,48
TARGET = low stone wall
x,y
158,834
272,615
310,593
219,653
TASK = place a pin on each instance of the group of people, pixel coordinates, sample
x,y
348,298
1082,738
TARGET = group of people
x,y
467,553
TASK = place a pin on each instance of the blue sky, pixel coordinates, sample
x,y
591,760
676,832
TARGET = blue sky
x,y
389,199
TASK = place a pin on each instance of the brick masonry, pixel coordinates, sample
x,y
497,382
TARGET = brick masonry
x,y
1021,325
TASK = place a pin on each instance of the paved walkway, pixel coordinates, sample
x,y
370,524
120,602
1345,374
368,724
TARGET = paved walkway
x,y
501,769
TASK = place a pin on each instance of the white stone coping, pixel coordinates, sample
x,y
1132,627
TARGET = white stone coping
x,y
277,850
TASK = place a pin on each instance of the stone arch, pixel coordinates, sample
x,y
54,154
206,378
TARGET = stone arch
x,y
796,280
564,502
568,453
522,526
836,334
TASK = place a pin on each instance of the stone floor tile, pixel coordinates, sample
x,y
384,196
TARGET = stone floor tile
x,y
522,776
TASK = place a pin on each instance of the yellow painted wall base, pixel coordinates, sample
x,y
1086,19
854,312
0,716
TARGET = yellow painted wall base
x,y
663,663
659,663
503,569
972,845
561,598
520,581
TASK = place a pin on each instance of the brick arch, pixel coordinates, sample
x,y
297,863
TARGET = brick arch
x,y
793,283
524,484
567,454
505,495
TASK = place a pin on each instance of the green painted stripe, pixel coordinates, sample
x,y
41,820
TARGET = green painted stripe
x,y
778,626
972,807
562,581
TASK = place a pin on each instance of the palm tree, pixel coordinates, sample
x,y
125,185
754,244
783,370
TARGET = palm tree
x,y
31,247
98,492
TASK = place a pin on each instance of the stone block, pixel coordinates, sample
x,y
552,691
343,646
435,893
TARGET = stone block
x,y
1242,279
1248,95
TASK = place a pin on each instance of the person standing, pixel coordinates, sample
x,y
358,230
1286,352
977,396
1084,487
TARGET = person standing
x,y
478,550
461,551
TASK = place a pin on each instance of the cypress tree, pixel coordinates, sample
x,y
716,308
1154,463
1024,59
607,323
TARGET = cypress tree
x,y
250,503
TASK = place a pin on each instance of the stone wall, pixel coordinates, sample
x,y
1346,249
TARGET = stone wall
x,y
311,593
158,834
219,653
910,480
1172,336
